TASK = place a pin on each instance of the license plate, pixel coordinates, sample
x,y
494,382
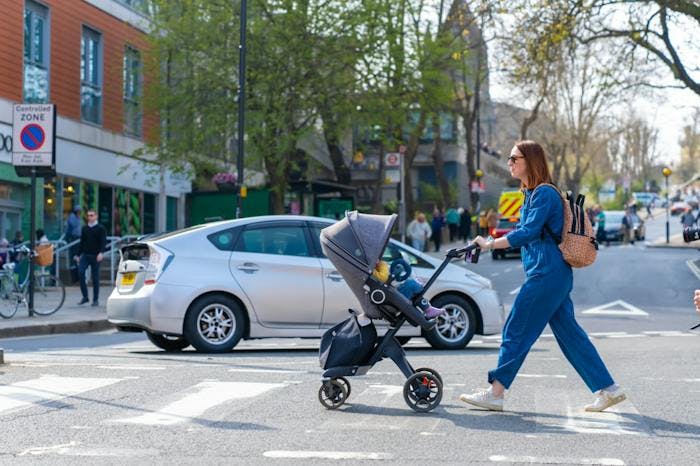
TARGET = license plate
x,y
128,278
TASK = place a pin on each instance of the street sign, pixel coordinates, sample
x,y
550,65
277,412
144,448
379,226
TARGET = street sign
x,y
392,176
33,139
392,159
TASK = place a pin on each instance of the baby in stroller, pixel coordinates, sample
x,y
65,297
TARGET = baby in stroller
x,y
398,275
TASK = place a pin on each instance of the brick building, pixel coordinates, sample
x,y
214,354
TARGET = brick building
x,y
85,56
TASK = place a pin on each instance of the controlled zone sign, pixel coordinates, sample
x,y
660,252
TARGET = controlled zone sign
x,y
33,139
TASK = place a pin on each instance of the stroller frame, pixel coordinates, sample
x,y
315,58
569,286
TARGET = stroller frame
x,y
423,387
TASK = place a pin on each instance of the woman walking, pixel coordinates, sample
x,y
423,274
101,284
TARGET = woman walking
x,y
544,297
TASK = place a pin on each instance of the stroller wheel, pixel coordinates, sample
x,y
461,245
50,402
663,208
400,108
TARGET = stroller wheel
x,y
432,371
333,394
346,382
422,391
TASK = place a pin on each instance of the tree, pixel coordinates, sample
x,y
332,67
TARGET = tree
x,y
651,28
690,146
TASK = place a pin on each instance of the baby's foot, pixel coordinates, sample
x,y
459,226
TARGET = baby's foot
x,y
433,312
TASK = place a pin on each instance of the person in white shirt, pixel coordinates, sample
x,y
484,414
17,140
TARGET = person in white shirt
x,y
419,231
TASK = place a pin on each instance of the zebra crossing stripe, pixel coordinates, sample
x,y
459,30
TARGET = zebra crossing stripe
x,y
46,388
204,396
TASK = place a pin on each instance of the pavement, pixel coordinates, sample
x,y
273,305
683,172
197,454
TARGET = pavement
x,y
72,318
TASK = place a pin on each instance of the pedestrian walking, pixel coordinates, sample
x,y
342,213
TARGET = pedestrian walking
x,y
688,219
71,233
600,235
628,227
492,220
544,297
483,224
452,219
437,224
419,231
465,223
93,240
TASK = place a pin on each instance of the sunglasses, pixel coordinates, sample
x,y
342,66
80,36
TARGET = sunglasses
x,y
513,158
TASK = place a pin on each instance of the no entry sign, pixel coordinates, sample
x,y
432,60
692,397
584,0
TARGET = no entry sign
x,y
33,138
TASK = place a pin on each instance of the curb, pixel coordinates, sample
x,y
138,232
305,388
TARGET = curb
x,y
50,329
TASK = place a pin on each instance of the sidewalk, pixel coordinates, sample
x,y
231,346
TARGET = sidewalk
x,y
71,318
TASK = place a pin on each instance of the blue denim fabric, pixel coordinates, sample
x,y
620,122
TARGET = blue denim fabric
x,y
544,298
409,288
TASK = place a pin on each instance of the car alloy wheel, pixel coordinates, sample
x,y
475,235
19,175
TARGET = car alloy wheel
x,y
214,324
455,328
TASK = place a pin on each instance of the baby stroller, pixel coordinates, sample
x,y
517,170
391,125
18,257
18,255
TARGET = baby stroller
x,y
354,245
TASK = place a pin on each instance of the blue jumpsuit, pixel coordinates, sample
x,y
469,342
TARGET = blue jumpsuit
x,y
544,297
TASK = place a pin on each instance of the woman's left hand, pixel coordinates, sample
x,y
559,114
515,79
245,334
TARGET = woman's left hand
x,y
481,242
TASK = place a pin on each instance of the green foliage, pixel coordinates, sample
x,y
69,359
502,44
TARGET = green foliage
x,y
431,194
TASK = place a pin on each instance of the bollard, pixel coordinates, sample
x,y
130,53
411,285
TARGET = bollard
x,y
2,356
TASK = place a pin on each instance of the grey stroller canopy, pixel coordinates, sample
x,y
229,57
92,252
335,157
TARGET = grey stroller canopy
x,y
354,245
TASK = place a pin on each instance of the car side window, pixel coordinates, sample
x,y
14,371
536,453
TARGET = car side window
x,y
316,237
285,241
225,239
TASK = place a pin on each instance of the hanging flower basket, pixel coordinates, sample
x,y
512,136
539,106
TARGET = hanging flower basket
x,y
225,182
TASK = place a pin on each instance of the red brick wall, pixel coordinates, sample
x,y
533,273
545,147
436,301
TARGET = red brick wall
x,y
67,18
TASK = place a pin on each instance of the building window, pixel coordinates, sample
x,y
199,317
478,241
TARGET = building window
x,y
132,91
36,57
91,76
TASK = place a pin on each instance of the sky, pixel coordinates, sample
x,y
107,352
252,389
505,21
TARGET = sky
x,y
668,113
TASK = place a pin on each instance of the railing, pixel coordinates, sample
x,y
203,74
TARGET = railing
x,y
113,243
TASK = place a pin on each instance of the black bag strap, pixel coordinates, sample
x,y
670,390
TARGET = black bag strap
x,y
557,239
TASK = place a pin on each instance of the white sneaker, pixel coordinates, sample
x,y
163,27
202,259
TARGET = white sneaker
x,y
483,399
606,399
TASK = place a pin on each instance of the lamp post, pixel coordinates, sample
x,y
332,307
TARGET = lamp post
x,y
241,108
667,172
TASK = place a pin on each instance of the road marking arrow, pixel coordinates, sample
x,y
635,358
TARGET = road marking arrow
x,y
619,308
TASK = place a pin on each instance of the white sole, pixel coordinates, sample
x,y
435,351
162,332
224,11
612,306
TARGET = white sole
x,y
611,402
490,407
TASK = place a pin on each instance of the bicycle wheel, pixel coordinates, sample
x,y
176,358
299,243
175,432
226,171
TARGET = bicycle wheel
x,y
8,297
49,294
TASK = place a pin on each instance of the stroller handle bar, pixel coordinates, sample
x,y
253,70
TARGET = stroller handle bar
x,y
472,250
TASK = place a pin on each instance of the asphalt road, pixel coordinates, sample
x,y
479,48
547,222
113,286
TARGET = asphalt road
x,y
112,398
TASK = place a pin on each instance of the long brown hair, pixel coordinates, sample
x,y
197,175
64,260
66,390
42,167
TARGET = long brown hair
x,y
537,168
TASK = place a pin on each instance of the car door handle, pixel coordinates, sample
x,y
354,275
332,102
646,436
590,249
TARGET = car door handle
x,y
335,276
248,267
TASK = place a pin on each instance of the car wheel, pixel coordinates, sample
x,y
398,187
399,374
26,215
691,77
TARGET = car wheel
x,y
168,342
455,328
214,324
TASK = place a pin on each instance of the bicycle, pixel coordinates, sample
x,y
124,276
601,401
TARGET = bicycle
x,y
49,292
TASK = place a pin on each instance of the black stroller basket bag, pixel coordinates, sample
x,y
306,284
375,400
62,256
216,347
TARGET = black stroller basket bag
x,y
347,344
354,245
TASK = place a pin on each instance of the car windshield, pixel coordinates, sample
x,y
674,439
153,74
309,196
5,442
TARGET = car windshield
x,y
509,222
613,217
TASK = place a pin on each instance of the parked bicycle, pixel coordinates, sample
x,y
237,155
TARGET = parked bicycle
x,y
49,292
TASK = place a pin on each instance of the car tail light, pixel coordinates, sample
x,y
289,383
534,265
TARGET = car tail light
x,y
158,260
492,232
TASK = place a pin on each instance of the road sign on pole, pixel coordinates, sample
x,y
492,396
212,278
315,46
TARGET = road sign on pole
x,y
33,154
34,139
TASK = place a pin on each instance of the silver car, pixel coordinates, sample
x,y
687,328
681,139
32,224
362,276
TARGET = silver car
x,y
266,277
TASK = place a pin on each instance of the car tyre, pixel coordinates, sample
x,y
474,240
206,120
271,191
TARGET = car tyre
x,y
455,328
214,324
167,342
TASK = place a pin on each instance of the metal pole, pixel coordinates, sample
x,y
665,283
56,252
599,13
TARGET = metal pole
x,y
402,201
32,229
668,240
241,105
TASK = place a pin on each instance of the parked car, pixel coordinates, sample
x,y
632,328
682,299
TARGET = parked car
x,y
613,226
505,225
679,207
214,284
